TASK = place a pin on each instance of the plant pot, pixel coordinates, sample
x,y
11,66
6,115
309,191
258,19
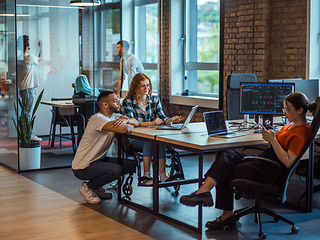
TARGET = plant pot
x,y
30,155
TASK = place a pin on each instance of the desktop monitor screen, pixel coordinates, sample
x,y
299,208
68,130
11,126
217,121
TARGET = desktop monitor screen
x,y
310,87
263,98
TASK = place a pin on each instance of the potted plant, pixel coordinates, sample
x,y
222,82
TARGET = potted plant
x,y
29,150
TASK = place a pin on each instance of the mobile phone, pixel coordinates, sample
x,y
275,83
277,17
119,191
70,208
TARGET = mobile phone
x,y
262,126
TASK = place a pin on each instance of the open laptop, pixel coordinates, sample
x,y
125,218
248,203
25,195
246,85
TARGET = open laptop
x,y
179,126
216,125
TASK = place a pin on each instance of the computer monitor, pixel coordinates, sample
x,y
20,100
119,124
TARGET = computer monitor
x,y
263,98
310,87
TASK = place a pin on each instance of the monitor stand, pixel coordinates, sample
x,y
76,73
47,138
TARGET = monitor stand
x,y
246,121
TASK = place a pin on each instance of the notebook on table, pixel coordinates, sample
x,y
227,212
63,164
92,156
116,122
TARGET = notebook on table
x,y
216,125
179,126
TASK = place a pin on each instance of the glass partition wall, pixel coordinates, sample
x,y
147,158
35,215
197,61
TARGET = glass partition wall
x,y
39,43
8,134
62,42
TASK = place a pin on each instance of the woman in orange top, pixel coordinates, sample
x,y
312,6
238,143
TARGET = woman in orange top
x,y
285,146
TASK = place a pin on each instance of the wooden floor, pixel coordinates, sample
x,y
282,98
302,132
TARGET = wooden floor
x,y
29,210
47,205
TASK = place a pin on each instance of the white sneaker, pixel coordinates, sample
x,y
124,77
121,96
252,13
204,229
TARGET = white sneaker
x,y
89,195
35,138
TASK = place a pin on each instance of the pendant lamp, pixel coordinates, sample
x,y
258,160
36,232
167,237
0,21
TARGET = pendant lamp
x,y
84,3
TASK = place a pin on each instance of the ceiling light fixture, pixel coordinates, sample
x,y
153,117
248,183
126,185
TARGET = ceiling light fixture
x,y
47,6
84,3
12,15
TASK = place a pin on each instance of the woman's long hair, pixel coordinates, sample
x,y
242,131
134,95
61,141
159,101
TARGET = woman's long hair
x,y
135,85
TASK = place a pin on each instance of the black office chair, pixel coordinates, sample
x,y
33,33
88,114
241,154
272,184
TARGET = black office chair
x,y
233,93
302,171
62,121
276,191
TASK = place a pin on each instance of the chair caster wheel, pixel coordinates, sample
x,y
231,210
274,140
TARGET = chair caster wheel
x,y
175,194
127,198
299,201
262,235
127,189
226,228
114,184
294,229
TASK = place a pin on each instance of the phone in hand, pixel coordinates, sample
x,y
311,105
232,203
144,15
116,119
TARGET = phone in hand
x,y
262,126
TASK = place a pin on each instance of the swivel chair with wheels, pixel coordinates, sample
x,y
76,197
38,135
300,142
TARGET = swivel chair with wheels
x,y
275,191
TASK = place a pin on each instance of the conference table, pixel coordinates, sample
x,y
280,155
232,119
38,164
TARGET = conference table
x,y
194,139
67,108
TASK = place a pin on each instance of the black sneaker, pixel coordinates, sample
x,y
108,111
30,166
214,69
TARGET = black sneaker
x,y
219,224
196,199
102,193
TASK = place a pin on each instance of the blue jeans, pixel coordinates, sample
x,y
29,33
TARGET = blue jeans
x,y
104,170
146,148
30,92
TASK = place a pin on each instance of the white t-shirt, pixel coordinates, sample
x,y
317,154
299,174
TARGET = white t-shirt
x,y
95,141
29,78
130,65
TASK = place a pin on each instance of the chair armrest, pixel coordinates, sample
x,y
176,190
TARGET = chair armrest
x,y
262,159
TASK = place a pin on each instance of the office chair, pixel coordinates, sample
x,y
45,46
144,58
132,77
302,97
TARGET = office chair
x,y
233,93
62,121
316,168
260,191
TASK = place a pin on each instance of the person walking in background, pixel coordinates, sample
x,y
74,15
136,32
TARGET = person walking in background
x,y
130,65
27,75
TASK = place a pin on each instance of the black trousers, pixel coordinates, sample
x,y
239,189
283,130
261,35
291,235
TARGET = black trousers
x,y
229,166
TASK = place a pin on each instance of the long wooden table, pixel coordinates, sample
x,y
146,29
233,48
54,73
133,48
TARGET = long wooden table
x,y
194,139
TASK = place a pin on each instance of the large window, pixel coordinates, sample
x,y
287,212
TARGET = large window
x,y
107,32
202,23
195,52
146,37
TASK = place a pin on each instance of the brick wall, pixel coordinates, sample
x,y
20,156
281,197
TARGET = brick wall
x,y
264,37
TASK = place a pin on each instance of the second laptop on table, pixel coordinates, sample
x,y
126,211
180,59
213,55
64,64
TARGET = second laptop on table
x,y
216,125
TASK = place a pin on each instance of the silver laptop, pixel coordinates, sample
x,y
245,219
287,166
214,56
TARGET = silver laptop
x,y
179,126
216,125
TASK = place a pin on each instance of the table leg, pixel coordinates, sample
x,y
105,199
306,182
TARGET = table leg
x,y
309,180
155,188
72,132
200,183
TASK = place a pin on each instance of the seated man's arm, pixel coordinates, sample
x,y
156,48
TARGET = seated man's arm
x,y
131,121
118,126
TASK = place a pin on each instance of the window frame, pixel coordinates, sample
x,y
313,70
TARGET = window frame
x,y
146,65
178,48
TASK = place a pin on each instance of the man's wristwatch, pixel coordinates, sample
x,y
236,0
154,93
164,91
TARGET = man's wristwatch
x,y
128,120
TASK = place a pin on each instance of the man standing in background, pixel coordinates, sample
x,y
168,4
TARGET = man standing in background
x,y
27,74
130,65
